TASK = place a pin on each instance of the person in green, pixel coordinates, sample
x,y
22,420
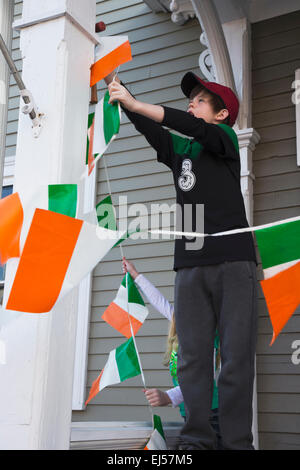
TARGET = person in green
x,y
157,397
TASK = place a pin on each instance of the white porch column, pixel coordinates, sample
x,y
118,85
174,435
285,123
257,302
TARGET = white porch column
x,y
248,138
211,25
6,16
57,44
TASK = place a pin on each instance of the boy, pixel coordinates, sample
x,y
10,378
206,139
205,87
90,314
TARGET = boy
x,y
215,283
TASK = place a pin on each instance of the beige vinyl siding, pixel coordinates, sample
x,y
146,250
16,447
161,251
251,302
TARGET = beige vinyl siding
x,y
276,56
14,94
162,53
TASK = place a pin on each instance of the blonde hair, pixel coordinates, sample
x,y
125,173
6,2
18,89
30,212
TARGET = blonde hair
x,y
172,342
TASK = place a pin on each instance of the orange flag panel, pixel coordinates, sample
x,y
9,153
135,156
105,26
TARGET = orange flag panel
x,y
118,318
44,262
94,389
91,163
110,62
11,220
282,295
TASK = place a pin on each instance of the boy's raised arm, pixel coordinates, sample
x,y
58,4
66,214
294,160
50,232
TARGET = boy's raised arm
x,y
211,136
120,93
145,117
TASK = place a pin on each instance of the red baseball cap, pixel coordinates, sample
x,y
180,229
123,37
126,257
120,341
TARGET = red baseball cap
x,y
190,80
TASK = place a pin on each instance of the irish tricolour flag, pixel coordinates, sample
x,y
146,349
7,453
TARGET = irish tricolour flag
x,y
107,124
103,127
122,364
157,439
58,253
127,312
279,248
17,210
106,217
110,54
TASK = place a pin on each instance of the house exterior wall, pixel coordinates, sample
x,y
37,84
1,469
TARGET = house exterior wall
x,y
14,95
275,57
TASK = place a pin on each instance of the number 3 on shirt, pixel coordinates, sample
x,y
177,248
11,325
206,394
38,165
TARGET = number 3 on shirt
x,y
187,179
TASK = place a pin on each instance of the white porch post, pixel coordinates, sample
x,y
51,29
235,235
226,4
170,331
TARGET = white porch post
x,y
210,23
57,44
248,138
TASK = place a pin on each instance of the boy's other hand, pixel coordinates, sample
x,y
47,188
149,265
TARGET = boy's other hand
x,y
129,267
157,397
118,92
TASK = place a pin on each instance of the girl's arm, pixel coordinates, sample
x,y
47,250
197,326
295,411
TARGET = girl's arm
x,y
157,397
175,395
154,297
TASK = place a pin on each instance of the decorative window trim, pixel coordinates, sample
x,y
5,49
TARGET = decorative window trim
x,y
9,171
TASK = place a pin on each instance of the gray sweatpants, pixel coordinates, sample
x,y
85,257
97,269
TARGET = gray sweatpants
x,y
222,296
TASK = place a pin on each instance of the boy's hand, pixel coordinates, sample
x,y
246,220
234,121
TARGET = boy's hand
x,y
129,267
118,92
157,398
112,76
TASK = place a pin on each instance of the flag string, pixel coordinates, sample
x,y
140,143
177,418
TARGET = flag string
x,y
137,351
109,190
131,329
218,234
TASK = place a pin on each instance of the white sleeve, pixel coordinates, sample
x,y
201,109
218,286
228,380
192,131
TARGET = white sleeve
x,y
155,298
175,396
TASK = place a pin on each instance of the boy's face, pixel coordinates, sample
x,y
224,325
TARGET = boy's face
x,y
201,107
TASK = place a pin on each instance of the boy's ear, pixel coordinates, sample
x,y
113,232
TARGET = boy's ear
x,y
222,115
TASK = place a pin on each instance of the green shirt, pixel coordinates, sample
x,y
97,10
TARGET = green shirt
x,y
173,372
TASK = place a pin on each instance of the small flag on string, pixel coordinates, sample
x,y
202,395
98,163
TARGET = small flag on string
x,y
112,52
107,124
122,364
16,214
127,304
157,439
59,198
90,156
106,215
279,248
103,127
58,253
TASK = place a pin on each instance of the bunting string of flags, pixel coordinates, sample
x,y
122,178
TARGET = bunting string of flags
x,y
132,293
45,242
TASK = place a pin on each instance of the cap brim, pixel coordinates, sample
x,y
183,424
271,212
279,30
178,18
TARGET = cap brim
x,y
189,81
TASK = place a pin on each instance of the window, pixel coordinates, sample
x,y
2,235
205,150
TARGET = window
x,y
6,191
